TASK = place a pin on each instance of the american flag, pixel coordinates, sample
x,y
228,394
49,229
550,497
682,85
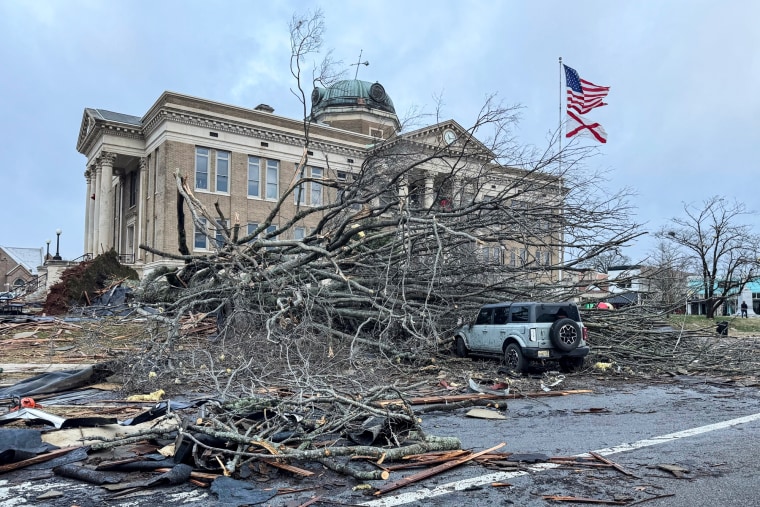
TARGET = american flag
x,y
578,125
582,95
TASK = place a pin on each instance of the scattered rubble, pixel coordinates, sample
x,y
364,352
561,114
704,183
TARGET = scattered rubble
x,y
89,283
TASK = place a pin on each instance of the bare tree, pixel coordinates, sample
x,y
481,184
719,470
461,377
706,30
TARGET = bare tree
x,y
722,249
667,277
606,260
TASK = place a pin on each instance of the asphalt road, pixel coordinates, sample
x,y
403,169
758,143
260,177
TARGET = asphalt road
x,y
709,431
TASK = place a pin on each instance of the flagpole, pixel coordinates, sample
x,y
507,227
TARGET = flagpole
x,y
560,109
559,156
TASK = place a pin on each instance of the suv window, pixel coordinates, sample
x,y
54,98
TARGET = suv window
x,y
501,315
484,317
520,314
550,313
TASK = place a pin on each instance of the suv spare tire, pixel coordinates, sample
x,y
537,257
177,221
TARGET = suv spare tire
x,y
566,334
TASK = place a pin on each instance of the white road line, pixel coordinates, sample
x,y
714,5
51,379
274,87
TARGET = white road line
x,y
422,494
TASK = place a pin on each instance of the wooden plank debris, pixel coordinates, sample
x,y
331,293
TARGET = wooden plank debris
x,y
434,471
580,499
290,468
41,458
426,400
676,470
613,464
483,413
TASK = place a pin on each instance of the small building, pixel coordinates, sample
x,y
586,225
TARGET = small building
x,y
19,268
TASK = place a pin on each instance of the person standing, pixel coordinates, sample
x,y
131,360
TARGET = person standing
x,y
744,309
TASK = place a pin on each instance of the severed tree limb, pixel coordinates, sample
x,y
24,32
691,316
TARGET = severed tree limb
x,y
363,475
443,407
431,443
181,236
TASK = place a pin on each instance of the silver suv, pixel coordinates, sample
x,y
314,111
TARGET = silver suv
x,y
525,331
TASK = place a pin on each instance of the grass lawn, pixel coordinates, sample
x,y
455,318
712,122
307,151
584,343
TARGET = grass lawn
x,y
742,327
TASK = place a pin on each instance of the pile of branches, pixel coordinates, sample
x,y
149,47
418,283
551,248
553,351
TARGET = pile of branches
x,y
640,339
323,425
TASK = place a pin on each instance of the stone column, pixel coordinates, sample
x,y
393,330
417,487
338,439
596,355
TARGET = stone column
x,y
92,216
457,191
403,194
429,190
141,204
87,209
105,221
95,218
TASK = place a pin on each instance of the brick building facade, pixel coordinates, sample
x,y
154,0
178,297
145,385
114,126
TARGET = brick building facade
x,y
242,160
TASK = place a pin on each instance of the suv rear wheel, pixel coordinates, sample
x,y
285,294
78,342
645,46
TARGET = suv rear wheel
x,y
514,359
460,349
565,334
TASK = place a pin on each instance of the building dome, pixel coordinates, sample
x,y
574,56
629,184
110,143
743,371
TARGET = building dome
x,y
351,93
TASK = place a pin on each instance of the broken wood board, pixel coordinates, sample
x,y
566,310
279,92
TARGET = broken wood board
x,y
434,471
426,400
484,413
88,436
34,368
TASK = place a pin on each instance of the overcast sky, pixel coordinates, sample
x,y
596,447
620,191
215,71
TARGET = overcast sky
x,y
683,118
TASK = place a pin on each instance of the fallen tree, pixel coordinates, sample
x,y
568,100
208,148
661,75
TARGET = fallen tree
x,y
393,264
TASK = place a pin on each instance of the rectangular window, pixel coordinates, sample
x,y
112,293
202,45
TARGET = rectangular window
x,y
300,190
496,256
513,258
316,188
254,177
133,188
273,180
299,233
200,236
201,168
221,237
270,230
484,317
222,171
523,256
501,315
519,313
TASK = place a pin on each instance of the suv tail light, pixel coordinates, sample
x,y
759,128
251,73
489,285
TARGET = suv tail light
x,y
585,334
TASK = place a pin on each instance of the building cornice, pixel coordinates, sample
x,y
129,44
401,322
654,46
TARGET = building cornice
x,y
173,115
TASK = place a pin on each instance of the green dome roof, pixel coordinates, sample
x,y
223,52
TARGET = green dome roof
x,y
351,92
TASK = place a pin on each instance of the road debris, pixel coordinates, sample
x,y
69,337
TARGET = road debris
x,y
482,413
677,471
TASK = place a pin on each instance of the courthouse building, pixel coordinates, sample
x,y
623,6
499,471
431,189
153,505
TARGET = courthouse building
x,y
239,159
